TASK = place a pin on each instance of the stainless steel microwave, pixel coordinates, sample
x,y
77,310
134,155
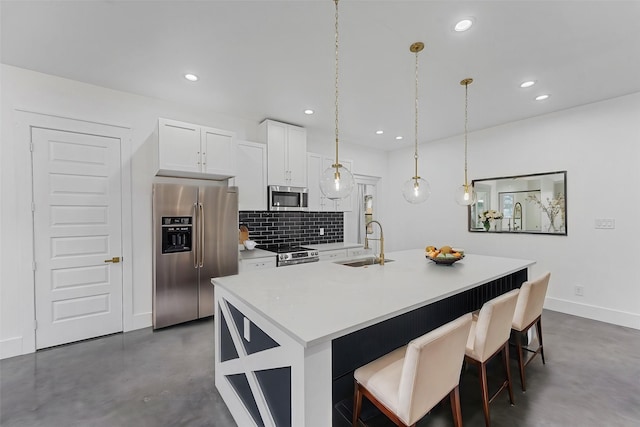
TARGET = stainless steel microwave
x,y
283,198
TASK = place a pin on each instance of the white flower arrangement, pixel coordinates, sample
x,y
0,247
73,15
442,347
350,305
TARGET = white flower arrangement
x,y
488,216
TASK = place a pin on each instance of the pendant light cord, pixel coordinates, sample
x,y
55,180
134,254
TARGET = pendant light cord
x,y
466,102
337,164
415,156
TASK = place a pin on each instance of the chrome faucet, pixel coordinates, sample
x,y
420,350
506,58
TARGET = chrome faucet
x,y
381,239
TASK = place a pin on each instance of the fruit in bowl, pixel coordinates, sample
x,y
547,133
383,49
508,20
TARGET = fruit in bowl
x,y
444,255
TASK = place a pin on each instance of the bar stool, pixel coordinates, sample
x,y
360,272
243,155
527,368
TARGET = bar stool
x,y
529,313
408,382
489,336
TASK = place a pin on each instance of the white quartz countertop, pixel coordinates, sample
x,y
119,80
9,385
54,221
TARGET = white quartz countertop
x,y
317,302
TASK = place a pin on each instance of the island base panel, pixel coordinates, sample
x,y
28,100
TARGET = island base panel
x,y
265,377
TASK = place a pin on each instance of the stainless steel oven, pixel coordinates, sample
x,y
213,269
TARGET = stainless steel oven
x,y
283,198
291,254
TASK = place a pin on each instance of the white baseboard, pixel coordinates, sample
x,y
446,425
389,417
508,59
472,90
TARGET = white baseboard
x,y
139,321
616,317
10,347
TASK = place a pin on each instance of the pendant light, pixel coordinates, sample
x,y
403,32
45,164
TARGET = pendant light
x,y
416,190
466,194
336,181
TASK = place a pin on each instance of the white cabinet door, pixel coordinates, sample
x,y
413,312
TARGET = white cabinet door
x,y
218,152
256,264
251,178
335,255
287,152
277,153
193,151
297,156
317,201
178,147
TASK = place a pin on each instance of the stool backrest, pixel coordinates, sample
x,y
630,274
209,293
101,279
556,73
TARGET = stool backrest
x,y
431,368
530,301
494,324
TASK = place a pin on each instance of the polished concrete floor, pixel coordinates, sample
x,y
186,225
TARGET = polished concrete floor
x,y
165,378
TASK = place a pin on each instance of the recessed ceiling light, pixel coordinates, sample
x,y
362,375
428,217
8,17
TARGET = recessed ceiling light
x,y
379,132
463,25
542,97
191,77
398,137
308,112
528,83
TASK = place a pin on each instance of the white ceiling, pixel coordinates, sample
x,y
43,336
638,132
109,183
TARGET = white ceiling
x,y
273,59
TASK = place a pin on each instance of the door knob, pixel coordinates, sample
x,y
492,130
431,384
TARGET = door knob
x,y
115,260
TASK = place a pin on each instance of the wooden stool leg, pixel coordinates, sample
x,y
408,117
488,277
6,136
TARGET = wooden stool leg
x,y
539,331
505,354
520,361
455,407
485,393
357,403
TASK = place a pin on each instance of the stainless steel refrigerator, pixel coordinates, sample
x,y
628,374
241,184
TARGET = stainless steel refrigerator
x,y
195,233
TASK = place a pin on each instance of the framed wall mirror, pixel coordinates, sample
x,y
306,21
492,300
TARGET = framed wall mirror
x,y
533,204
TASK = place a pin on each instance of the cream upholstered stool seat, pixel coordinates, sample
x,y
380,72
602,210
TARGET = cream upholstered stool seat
x,y
529,313
408,382
489,335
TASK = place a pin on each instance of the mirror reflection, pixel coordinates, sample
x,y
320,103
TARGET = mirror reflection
x,y
534,203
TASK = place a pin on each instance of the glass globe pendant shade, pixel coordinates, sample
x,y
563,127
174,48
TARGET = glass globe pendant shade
x,y
466,195
336,184
416,190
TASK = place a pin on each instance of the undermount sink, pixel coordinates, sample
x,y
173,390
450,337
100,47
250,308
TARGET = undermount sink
x,y
363,262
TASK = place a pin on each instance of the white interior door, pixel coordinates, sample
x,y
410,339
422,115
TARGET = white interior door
x,y
77,230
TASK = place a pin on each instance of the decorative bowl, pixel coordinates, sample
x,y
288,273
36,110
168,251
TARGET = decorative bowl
x,y
444,261
250,244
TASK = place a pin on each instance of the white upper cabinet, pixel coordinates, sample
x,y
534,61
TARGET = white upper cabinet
x,y
286,153
316,164
251,178
194,151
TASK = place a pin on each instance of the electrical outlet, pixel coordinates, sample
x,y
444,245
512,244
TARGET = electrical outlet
x,y
322,231
579,290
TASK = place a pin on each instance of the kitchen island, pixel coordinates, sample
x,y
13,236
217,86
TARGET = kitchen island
x,y
287,340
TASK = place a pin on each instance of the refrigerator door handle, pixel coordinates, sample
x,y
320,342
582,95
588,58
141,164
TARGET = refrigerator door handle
x,y
201,234
195,241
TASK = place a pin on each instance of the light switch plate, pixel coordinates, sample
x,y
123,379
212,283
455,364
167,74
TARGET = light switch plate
x,y
605,223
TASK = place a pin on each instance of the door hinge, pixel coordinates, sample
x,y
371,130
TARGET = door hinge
x,y
35,324
33,207
31,147
33,265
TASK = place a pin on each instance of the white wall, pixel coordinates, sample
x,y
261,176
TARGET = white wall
x,y
597,144
599,147
52,95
